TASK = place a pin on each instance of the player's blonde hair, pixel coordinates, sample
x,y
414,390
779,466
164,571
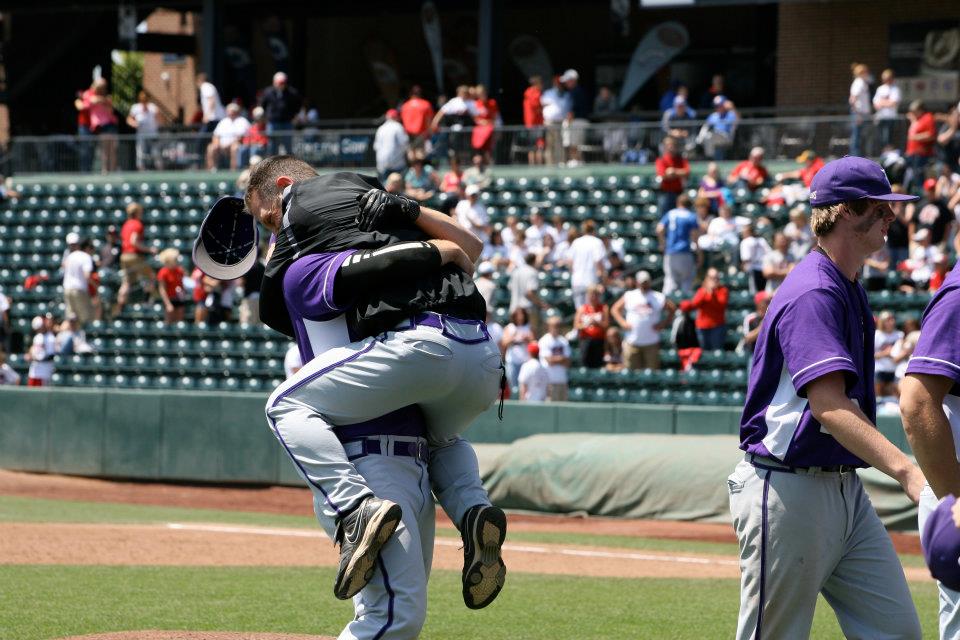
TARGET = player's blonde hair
x,y
824,219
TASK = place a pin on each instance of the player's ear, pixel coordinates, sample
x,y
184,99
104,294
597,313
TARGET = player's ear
x,y
284,181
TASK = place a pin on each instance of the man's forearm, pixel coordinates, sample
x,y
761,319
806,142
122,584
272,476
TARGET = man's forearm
x,y
930,436
442,227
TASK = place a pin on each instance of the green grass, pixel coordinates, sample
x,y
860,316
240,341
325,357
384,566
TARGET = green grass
x,y
40,602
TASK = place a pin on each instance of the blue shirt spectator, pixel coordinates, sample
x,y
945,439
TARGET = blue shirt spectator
x,y
678,225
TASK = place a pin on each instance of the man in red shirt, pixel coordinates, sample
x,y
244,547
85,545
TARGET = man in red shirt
x,y
133,263
416,115
921,143
673,171
750,173
710,301
533,119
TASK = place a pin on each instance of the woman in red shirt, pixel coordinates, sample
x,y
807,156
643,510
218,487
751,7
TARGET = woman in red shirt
x,y
453,179
488,112
710,301
170,278
921,143
591,322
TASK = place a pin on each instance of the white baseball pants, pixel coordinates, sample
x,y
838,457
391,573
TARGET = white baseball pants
x,y
949,599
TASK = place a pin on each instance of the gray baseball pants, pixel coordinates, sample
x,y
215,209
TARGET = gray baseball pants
x,y
807,532
949,599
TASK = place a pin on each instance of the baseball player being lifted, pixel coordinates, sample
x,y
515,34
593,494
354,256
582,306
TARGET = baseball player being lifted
x,y
930,406
803,520
354,395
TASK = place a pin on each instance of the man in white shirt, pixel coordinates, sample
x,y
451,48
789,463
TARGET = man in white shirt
x,y
77,268
859,101
390,144
886,101
587,254
144,117
227,136
536,231
753,249
534,379
640,313
210,104
472,214
555,356
43,348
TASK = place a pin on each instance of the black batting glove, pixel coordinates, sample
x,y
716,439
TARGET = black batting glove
x,y
376,206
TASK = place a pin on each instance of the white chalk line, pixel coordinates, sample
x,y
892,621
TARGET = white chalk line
x,y
516,548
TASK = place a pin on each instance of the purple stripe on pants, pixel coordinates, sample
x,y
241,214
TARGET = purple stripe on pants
x,y
308,379
386,584
763,552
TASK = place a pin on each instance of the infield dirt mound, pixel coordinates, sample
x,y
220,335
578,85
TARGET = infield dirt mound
x,y
195,635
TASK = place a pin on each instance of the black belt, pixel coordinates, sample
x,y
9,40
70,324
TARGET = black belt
x,y
417,450
770,464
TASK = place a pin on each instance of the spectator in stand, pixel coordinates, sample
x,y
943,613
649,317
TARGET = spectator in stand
x,y
211,107
533,376
516,336
226,138
672,171
931,213
886,101
537,230
421,180
711,187
133,263
457,114
77,269
43,349
778,262
678,232
811,164
478,173
84,149
923,257
701,207
903,348
452,181
292,361
250,302
395,184
108,259
103,124
898,233
472,214
281,103
495,252
751,173
523,285
591,322
416,115
679,112
586,256
948,185
200,291
752,323
860,111
721,242
710,301
547,256
533,119
642,313
485,284
940,269
613,350
605,103
799,233
7,375
255,142
557,103
555,356
71,338
948,140
144,118
921,144
511,232
886,336
390,144
674,89
715,90
6,330
170,280
876,268
753,249
486,120
716,134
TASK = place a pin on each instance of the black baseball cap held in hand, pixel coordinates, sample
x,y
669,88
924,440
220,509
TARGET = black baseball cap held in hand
x,y
227,245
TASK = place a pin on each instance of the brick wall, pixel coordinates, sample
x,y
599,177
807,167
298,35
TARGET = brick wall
x,y
817,42
180,90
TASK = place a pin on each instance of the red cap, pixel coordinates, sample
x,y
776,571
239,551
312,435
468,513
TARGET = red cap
x,y
533,349
393,113
929,184
760,297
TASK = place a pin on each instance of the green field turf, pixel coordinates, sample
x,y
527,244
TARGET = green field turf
x,y
39,602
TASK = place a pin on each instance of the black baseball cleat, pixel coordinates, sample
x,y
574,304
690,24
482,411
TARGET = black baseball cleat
x,y
361,534
484,530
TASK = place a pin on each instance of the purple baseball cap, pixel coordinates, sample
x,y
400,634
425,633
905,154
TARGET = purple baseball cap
x,y
851,178
940,540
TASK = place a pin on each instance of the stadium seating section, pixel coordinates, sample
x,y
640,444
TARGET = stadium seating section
x,y
138,350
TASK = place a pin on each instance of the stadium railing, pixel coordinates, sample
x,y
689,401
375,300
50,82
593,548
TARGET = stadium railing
x,y
608,142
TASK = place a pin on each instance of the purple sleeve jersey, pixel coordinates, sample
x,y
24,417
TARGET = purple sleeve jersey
x,y
308,291
818,322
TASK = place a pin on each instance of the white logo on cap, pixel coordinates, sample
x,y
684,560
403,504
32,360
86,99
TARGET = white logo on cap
x,y
813,195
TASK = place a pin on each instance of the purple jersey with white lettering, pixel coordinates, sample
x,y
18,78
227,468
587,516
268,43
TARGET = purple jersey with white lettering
x,y
818,322
319,324
938,349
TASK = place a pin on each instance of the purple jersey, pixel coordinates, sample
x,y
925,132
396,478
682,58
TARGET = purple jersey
x,y
818,322
318,322
938,350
